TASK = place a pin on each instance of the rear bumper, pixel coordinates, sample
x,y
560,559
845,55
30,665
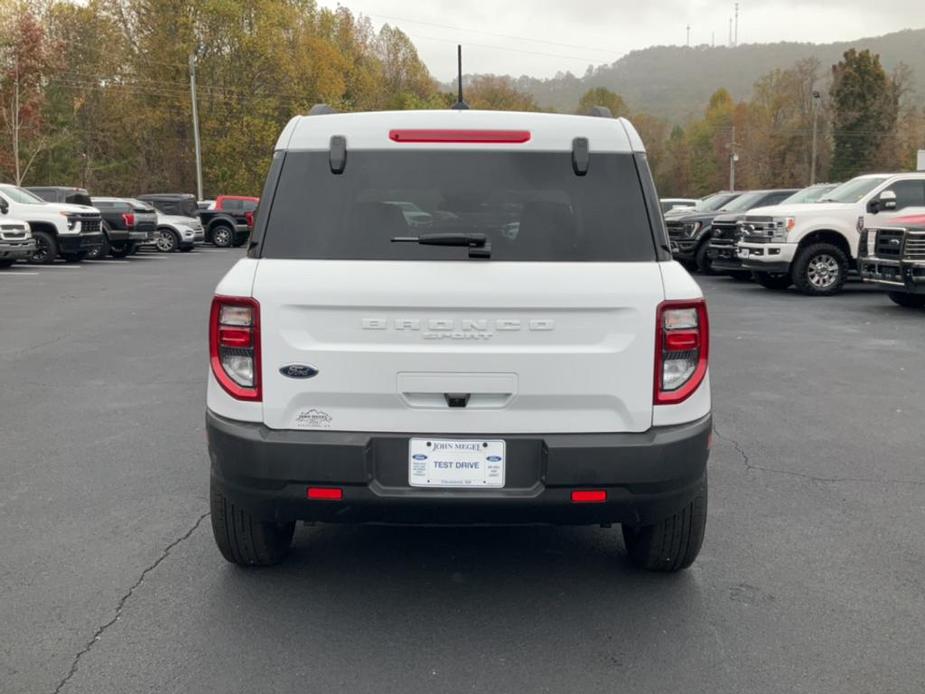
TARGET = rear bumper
x,y
647,476
897,275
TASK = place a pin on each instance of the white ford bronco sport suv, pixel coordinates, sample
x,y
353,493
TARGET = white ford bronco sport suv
x,y
528,354
814,246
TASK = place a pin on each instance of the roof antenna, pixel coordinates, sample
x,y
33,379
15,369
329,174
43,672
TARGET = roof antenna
x,y
460,105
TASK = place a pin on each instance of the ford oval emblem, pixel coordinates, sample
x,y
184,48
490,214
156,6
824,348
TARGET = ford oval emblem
x,y
494,458
419,456
298,371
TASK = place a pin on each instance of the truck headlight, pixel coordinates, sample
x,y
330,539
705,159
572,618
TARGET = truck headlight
x,y
782,227
691,228
71,220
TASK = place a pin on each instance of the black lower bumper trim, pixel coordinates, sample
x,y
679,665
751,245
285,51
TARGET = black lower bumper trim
x,y
778,267
648,476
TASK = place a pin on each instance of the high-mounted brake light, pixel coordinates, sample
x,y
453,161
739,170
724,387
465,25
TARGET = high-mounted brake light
x,y
682,345
234,346
468,136
129,219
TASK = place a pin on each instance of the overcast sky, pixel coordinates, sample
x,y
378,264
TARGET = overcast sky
x,y
542,37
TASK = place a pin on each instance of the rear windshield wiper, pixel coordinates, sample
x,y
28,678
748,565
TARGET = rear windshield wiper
x,y
478,244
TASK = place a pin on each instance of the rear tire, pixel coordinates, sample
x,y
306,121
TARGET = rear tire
x,y
820,269
121,251
46,248
244,540
6,262
773,280
907,300
671,544
222,236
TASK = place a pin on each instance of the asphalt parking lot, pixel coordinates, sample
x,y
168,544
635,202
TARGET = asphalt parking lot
x,y
812,576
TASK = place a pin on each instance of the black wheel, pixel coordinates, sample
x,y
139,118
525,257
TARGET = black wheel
x,y
773,280
702,258
133,247
46,248
100,251
820,269
907,300
166,240
671,544
6,262
741,275
244,540
121,250
239,242
222,236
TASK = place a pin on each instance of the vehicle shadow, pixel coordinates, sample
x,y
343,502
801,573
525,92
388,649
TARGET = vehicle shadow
x,y
499,592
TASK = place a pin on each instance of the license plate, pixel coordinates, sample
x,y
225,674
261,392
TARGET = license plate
x,y
742,252
456,463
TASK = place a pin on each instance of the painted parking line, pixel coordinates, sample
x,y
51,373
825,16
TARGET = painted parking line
x,y
18,273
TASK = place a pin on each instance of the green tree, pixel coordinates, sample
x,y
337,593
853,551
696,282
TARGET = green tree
x,y
27,59
865,104
601,96
497,93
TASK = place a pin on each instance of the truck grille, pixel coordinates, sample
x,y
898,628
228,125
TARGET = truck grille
x,y
89,223
915,245
890,243
756,229
725,231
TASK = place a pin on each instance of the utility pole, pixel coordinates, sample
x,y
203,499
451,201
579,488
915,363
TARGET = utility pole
x,y
812,167
192,86
733,158
688,35
735,36
730,31
15,120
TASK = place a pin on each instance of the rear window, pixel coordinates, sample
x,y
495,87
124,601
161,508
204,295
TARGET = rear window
x,y
530,205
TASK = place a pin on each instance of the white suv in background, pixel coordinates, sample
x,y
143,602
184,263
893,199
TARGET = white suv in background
x,y
528,352
815,246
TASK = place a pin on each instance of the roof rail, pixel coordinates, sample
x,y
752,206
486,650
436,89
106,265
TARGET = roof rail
x,y
600,112
321,110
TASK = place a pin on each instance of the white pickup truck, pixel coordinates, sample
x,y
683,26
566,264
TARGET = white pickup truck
x,y
59,229
815,246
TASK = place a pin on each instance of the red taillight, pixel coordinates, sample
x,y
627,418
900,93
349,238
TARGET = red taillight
x,y
325,493
249,218
589,496
129,219
234,346
682,345
469,136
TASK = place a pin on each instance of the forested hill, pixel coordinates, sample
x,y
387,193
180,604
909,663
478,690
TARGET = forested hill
x,y
674,82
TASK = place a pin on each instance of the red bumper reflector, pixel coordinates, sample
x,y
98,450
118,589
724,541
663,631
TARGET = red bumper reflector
x,y
470,136
589,496
325,493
